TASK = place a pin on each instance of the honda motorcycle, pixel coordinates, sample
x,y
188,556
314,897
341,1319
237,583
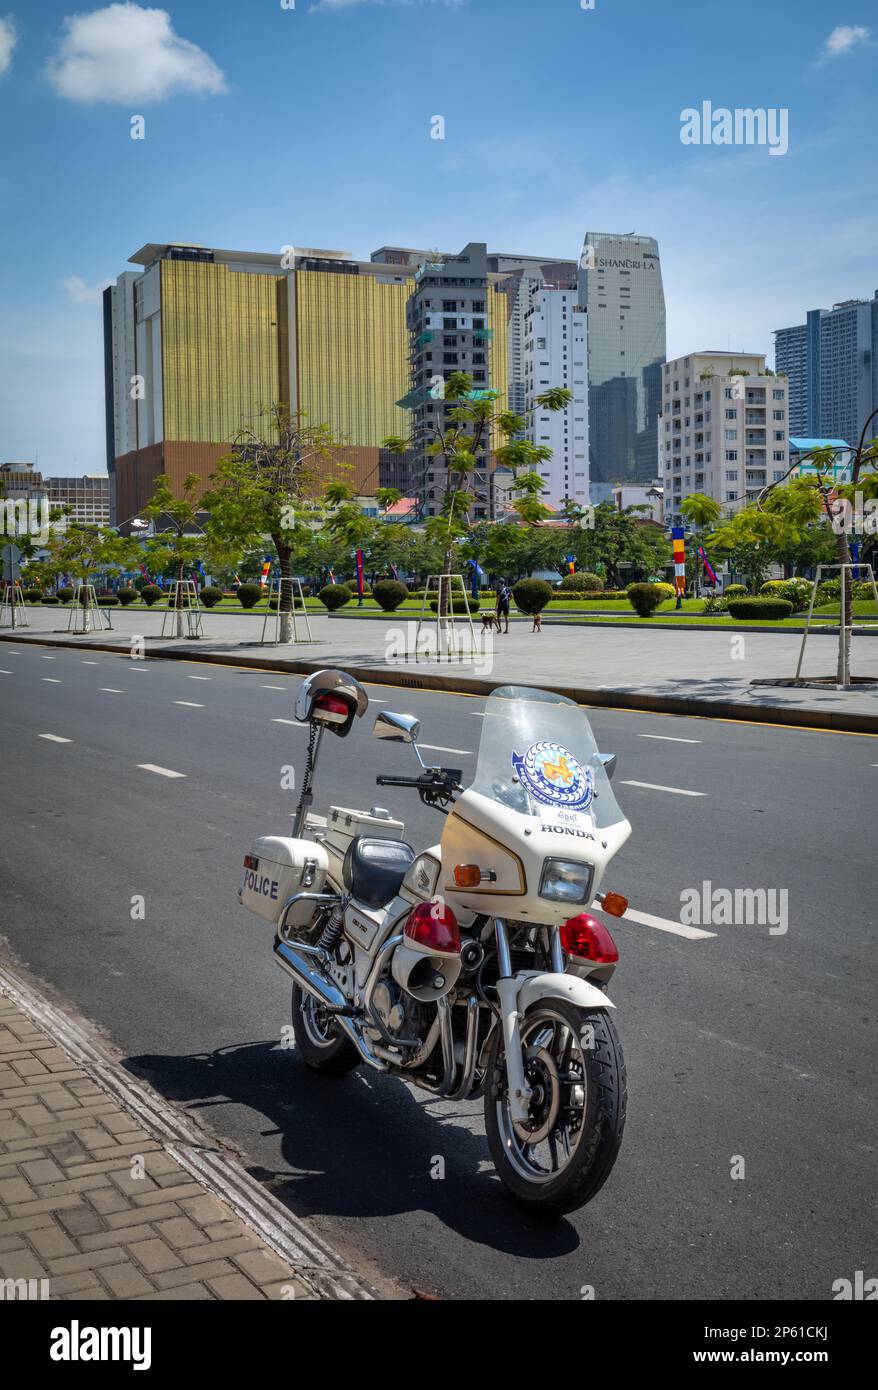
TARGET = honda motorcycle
x,y
470,968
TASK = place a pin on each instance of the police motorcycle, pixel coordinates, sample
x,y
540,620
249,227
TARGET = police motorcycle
x,y
471,968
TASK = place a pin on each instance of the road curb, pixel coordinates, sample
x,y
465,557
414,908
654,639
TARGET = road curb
x,y
198,1152
838,721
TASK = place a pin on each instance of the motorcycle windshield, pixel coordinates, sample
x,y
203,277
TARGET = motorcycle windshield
x,y
538,755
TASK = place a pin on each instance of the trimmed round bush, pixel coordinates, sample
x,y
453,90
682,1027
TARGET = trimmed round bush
x,y
736,591
795,591
126,596
644,599
33,595
248,595
51,598
581,581
334,596
459,605
389,594
108,600
759,609
150,593
666,590
65,594
532,595
210,596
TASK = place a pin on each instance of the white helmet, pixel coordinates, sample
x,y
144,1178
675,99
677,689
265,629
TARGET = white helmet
x,y
331,698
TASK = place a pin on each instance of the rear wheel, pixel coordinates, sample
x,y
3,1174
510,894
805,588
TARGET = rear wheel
x,y
323,1047
561,1156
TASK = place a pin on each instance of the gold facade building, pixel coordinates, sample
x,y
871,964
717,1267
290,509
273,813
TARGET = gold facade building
x,y
200,342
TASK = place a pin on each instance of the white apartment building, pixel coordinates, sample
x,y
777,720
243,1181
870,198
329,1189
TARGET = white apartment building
x,y
87,498
723,429
555,353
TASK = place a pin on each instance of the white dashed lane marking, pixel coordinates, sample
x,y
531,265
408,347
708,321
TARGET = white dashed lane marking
x,y
161,771
666,738
296,723
274,687
656,787
91,663
50,680
440,748
5,673
55,738
199,678
111,690
190,704
647,919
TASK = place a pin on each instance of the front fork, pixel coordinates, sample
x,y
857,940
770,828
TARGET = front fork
x,y
507,990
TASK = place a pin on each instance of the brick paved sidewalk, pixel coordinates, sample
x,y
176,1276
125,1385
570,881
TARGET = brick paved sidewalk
x,y
96,1206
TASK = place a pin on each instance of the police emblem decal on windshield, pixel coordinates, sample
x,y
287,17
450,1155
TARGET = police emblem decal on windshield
x,y
552,775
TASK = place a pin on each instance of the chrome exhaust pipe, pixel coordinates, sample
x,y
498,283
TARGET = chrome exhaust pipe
x,y
302,964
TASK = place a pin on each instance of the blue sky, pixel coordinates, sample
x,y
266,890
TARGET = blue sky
x,y
310,126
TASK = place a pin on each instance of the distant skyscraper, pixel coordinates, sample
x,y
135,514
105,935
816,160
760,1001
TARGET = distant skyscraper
x,y
620,286
830,361
457,320
554,354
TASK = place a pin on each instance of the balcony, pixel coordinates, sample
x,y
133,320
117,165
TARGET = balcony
x,y
483,335
427,336
755,417
756,395
756,438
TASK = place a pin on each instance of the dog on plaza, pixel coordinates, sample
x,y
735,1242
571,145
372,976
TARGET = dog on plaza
x,y
489,621
538,619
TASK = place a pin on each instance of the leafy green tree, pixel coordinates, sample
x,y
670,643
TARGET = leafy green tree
x,y
265,487
83,551
458,439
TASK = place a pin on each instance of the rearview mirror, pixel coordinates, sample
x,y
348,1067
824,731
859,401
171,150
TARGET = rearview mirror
x,y
402,728
608,760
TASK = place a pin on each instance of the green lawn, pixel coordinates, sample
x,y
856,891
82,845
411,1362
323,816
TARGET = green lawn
x,y
596,610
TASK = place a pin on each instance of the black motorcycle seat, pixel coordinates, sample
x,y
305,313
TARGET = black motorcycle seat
x,y
373,870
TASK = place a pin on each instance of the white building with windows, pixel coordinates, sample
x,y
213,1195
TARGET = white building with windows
x,y
723,429
555,353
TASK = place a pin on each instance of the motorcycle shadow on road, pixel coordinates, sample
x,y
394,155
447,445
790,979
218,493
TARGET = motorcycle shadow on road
x,y
366,1146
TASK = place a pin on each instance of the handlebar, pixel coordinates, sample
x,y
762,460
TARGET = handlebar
x,y
435,785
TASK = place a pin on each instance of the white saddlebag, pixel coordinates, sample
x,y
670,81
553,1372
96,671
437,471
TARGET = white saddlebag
x,y
274,870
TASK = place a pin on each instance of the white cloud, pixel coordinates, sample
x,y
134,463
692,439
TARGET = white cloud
x,y
7,42
844,38
81,293
126,53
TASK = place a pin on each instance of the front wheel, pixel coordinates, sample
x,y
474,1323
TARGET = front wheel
x,y
564,1152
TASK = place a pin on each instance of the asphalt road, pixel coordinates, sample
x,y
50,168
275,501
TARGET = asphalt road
x,y
744,1043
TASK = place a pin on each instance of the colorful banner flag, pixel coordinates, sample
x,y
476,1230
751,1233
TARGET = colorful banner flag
x,y
570,561
332,576
678,537
708,568
361,560
263,578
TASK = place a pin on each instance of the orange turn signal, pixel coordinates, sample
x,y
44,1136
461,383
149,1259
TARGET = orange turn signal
x,y
615,904
467,875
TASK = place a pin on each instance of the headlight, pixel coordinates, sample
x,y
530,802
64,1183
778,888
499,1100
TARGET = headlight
x,y
566,881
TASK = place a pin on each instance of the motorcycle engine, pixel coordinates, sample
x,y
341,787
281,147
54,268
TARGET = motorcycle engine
x,y
401,1015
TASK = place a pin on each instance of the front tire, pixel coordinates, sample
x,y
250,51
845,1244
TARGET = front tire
x,y
324,1049
562,1156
